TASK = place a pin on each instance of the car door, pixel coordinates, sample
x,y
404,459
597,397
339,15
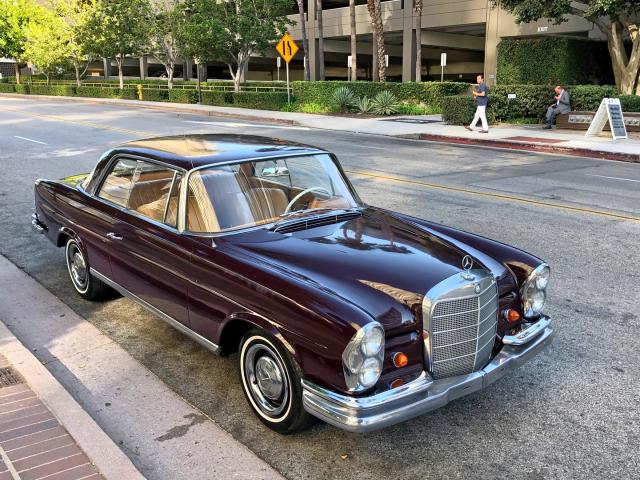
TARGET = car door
x,y
151,258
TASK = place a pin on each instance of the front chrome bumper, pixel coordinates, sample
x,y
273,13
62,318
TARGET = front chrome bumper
x,y
421,395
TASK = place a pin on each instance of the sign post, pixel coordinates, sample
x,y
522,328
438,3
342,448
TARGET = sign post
x,y
287,49
611,110
443,63
349,65
278,63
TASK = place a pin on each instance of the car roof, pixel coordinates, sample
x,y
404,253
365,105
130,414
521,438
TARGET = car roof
x,y
193,151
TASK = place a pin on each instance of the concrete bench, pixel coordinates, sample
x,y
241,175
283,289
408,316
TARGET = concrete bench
x,y
582,120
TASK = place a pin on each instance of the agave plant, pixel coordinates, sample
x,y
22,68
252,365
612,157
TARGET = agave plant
x,y
344,98
364,104
385,103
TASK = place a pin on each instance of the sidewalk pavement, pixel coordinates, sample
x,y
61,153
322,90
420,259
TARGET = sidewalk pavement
x,y
421,127
110,398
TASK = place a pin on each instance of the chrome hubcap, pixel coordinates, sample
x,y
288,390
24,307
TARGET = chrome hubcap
x,y
267,379
77,266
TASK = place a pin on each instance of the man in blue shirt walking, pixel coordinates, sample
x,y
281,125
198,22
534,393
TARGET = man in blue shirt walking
x,y
482,100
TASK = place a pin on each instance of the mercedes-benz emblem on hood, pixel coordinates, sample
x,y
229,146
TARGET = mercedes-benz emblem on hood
x,y
467,265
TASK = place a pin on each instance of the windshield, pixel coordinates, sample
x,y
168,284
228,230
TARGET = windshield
x,y
248,194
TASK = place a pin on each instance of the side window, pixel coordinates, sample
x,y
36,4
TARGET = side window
x,y
152,187
117,186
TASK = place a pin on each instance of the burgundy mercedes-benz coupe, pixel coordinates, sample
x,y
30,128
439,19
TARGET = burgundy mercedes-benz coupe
x,y
354,314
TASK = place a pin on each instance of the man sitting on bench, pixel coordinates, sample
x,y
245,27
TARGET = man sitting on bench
x,y
561,105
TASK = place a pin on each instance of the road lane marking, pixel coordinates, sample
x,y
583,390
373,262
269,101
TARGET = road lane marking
x,y
500,196
612,178
434,186
30,140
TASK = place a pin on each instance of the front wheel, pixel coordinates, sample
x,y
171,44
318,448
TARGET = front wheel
x,y
85,284
271,381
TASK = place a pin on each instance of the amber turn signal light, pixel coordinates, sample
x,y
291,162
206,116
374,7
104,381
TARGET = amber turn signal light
x,y
511,315
400,360
398,382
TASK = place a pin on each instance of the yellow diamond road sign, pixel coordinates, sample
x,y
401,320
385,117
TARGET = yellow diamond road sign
x,y
287,48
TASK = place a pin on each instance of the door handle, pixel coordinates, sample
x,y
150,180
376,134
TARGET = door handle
x,y
114,236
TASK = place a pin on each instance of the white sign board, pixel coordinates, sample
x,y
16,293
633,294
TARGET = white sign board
x,y
349,61
386,60
611,110
443,59
511,96
278,62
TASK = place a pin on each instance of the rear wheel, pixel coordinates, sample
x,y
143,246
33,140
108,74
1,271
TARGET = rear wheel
x,y
271,381
85,284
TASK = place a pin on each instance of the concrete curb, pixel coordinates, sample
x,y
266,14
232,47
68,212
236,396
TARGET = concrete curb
x,y
527,146
104,454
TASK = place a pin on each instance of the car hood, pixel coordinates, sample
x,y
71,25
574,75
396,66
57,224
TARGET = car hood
x,y
377,262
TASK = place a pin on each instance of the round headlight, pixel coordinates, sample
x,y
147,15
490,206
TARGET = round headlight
x,y
372,342
369,373
534,293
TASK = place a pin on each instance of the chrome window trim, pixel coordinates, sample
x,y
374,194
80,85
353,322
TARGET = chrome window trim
x,y
167,318
166,205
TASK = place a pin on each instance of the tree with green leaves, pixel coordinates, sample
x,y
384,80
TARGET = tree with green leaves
x,y
233,30
76,14
167,22
618,20
48,46
117,29
14,20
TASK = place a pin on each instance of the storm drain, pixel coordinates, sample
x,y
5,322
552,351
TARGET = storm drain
x,y
8,377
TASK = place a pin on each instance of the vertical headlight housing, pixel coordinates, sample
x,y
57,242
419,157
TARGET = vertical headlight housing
x,y
534,291
362,359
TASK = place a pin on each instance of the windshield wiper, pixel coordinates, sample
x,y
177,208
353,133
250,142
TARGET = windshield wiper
x,y
305,211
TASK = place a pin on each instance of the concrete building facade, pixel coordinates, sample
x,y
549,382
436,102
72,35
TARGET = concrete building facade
x,y
468,31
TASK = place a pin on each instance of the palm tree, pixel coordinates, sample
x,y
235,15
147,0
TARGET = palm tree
x,y
305,39
375,12
354,44
320,39
418,12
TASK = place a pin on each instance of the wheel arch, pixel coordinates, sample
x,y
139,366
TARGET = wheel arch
x,y
63,236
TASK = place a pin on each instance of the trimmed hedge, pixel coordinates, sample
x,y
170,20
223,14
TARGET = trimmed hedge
x,y
458,110
630,103
216,98
260,100
553,61
62,90
7,88
183,96
155,95
429,93
589,97
22,88
106,92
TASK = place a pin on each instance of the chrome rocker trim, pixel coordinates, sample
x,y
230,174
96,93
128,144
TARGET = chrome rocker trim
x,y
419,396
170,320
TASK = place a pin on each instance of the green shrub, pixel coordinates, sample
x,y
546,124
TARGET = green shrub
x,y
363,104
553,61
62,90
22,88
589,97
417,109
155,95
429,93
106,92
531,101
630,103
217,98
183,96
260,100
385,103
7,88
343,98
458,110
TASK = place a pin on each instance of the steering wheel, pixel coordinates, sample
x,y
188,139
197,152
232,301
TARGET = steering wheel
x,y
303,193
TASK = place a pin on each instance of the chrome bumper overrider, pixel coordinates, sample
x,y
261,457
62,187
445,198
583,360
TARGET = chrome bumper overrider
x,y
421,395
37,225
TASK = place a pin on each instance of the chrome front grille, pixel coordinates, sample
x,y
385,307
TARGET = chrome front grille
x,y
461,324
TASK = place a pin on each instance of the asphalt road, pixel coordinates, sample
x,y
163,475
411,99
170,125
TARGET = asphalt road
x,y
572,412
